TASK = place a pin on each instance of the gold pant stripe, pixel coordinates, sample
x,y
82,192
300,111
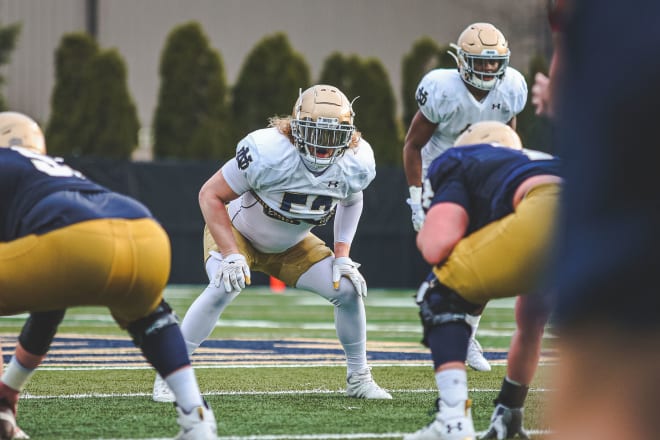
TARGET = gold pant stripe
x,y
121,264
506,257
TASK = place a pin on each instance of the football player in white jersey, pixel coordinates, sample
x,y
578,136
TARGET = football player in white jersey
x,y
483,87
260,208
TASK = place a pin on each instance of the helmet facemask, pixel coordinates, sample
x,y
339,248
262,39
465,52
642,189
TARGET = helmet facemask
x,y
478,70
322,126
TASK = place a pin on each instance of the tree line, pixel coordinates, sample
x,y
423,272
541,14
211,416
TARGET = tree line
x,y
200,116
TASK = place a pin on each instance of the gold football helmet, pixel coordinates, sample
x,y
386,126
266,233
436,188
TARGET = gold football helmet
x,y
322,125
18,130
482,55
490,132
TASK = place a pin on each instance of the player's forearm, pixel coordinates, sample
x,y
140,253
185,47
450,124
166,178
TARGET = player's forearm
x,y
216,217
412,165
342,249
347,219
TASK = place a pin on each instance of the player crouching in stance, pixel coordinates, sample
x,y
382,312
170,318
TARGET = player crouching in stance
x,y
66,242
490,214
260,208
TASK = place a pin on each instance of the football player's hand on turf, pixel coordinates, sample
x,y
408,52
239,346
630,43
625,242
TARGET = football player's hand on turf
x,y
345,267
234,273
506,423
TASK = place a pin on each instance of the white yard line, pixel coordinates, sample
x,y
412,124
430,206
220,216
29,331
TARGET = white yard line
x,y
251,393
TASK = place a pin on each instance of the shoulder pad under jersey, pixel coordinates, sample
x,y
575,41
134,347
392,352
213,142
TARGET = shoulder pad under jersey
x,y
438,92
264,156
513,88
359,166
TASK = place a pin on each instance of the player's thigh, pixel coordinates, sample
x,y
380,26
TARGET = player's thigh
x,y
506,257
141,269
99,262
53,271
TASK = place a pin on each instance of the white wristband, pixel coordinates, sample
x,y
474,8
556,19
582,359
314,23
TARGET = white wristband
x,y
415,194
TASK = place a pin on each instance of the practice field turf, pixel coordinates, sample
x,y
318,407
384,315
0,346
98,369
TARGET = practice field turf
x,y
272,370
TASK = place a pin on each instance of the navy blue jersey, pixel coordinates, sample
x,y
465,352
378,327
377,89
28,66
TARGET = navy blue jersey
x,y
39,194
609,246
483,179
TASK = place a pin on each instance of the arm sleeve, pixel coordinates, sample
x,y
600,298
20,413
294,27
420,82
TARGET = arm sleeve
x,y
347,218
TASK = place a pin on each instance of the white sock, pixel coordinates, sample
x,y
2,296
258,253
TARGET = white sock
x,y
185,388
350,318
356,357
16,375
452,385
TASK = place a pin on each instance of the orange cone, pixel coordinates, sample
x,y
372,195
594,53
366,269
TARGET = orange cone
x,y
276,285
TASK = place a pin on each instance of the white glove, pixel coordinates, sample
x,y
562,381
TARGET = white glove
x,y
345,267
234,273
415,202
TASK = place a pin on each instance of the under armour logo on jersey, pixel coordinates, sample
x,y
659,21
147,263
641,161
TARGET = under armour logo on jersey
x,y
458,426
422,96
496,106
333,183
243,157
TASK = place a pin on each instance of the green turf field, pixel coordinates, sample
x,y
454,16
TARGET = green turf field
x,y
281,378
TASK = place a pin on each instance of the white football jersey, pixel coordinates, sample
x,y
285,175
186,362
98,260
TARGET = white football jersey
x,y
444,99
281,200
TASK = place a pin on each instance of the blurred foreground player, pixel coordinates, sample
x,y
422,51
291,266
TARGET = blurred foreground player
x,y
482,87
608,312
66,241
490,213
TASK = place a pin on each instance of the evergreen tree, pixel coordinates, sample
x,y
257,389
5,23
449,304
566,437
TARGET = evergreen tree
x,y
268,83
424,56
366,82
334,70
535,131
8,37
192,116
106,117
342,72
72,58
